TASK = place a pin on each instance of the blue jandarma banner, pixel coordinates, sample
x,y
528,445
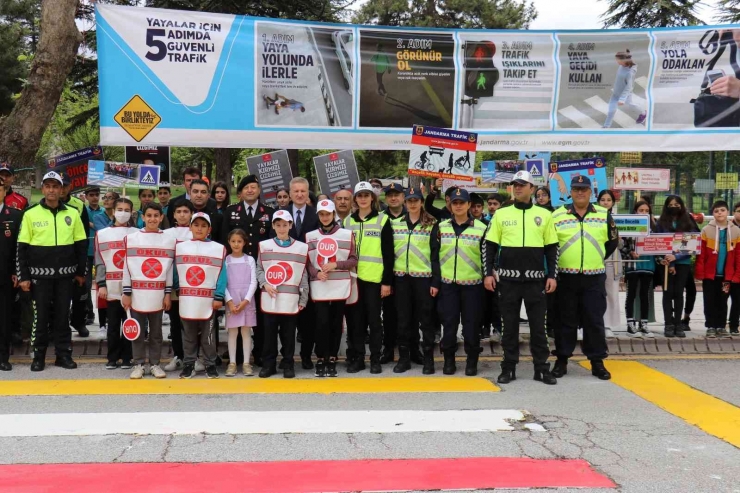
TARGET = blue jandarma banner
x,y
171,77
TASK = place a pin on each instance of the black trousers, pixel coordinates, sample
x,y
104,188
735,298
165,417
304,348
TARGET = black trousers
x,y
329,316
390,321
90,313
673,296
283,326
511,294
119,348
690,294
307,328
582,303
735,310
715,303
552,320
638,283
352,318
51,299
176,329
456,302
368,315
415,310
6,305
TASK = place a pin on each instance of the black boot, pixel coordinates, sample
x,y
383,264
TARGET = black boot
x,y
5,366
375,365
289,371
357,365
404,360
471,364
545,376
416,356
428,362
65,361
388,356
39,360
449,367
508,374
599,370
560,368
268,371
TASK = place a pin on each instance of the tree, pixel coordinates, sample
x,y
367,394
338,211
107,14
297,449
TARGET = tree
x,y
22,130
729,11
13,72
465,14
651,13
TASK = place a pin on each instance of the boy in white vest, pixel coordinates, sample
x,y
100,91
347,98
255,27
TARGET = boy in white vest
x,y
282,276
200,282
181,231
147,283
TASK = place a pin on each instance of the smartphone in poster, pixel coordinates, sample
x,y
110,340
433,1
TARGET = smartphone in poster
x,y
442,153
696,83
562,172
603,81
304,75
151,155
507,81
406,77
272,169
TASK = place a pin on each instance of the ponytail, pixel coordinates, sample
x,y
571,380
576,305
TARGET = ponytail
x,y
625,56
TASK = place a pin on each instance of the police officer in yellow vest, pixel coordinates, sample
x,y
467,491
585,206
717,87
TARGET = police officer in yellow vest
x,y
521,239
587,235
462,262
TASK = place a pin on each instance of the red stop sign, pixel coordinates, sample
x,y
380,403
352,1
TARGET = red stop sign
x,y
288,269
327,247
151,268
196,276
276,275
131,329
118,257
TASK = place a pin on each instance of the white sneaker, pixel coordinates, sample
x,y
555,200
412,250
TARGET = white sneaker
x,y
174,364
165,319
138,373
609,333
104,329
199,366
158,372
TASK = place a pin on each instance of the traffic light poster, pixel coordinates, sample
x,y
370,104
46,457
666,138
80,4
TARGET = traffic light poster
x,y
442,153
186,78
562,173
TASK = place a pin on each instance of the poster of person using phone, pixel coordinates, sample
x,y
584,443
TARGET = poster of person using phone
x,y
696,83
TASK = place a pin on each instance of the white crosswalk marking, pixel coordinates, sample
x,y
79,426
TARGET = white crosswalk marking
x,y
622,118
582,120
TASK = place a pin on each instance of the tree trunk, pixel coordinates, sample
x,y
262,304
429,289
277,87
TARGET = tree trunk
x,y
222,157
22,130
209,169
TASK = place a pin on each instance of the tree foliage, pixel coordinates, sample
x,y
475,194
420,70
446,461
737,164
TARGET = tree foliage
x,y
729,11
651,13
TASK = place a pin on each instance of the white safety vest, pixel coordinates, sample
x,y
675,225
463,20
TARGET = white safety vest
x,y
295,257
180,233
339,285
111,247
198,264
149,258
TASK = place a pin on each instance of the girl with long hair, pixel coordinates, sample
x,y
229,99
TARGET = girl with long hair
x,y
612,318
220,193
639,278
622,91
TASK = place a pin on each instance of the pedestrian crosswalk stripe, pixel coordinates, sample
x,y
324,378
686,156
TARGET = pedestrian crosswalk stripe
x,y
310,476
275,385
710,414
257,422
622,118
580,119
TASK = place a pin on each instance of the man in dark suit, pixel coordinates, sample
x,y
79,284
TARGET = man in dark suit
x,y
305,220
255,218
188,176
10,221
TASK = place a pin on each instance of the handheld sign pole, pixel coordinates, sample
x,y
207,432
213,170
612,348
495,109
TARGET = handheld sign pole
x,y
665,278
130,328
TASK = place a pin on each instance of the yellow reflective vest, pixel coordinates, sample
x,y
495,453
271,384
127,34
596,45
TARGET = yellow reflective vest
x,y
581,240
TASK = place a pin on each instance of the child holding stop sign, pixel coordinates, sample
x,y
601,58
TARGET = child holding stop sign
x,y
281,273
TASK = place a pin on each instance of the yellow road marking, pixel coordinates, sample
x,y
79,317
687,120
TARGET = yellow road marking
x,y
437,102
247,386
710,414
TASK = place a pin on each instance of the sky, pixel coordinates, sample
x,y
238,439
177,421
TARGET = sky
x,y
585,14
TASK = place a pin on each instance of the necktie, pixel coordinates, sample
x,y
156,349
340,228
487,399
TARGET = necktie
x,y
249,213
298,221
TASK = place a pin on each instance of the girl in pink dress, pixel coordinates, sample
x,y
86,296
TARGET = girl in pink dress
x,y
241,313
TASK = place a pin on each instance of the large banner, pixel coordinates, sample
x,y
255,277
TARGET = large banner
x,y
74,165
180,78
272,169
159,155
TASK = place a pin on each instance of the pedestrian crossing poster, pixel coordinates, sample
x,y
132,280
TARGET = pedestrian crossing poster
x,y
272,169
118,175
215,80
562,172
152,155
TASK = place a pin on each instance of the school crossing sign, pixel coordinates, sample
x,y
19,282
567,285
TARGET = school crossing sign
x,y
149,175
538,169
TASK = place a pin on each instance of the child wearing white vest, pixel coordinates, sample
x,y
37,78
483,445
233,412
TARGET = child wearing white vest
x,y
200,281
282,276
147,283
110,257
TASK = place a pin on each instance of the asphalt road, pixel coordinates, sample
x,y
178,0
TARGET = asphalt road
x,y
633,442
334,76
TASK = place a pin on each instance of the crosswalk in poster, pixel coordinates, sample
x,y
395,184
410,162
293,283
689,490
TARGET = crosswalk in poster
x,y
114,174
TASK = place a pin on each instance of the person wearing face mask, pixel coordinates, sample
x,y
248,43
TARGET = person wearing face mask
x,y
110,254
377,190
675,219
